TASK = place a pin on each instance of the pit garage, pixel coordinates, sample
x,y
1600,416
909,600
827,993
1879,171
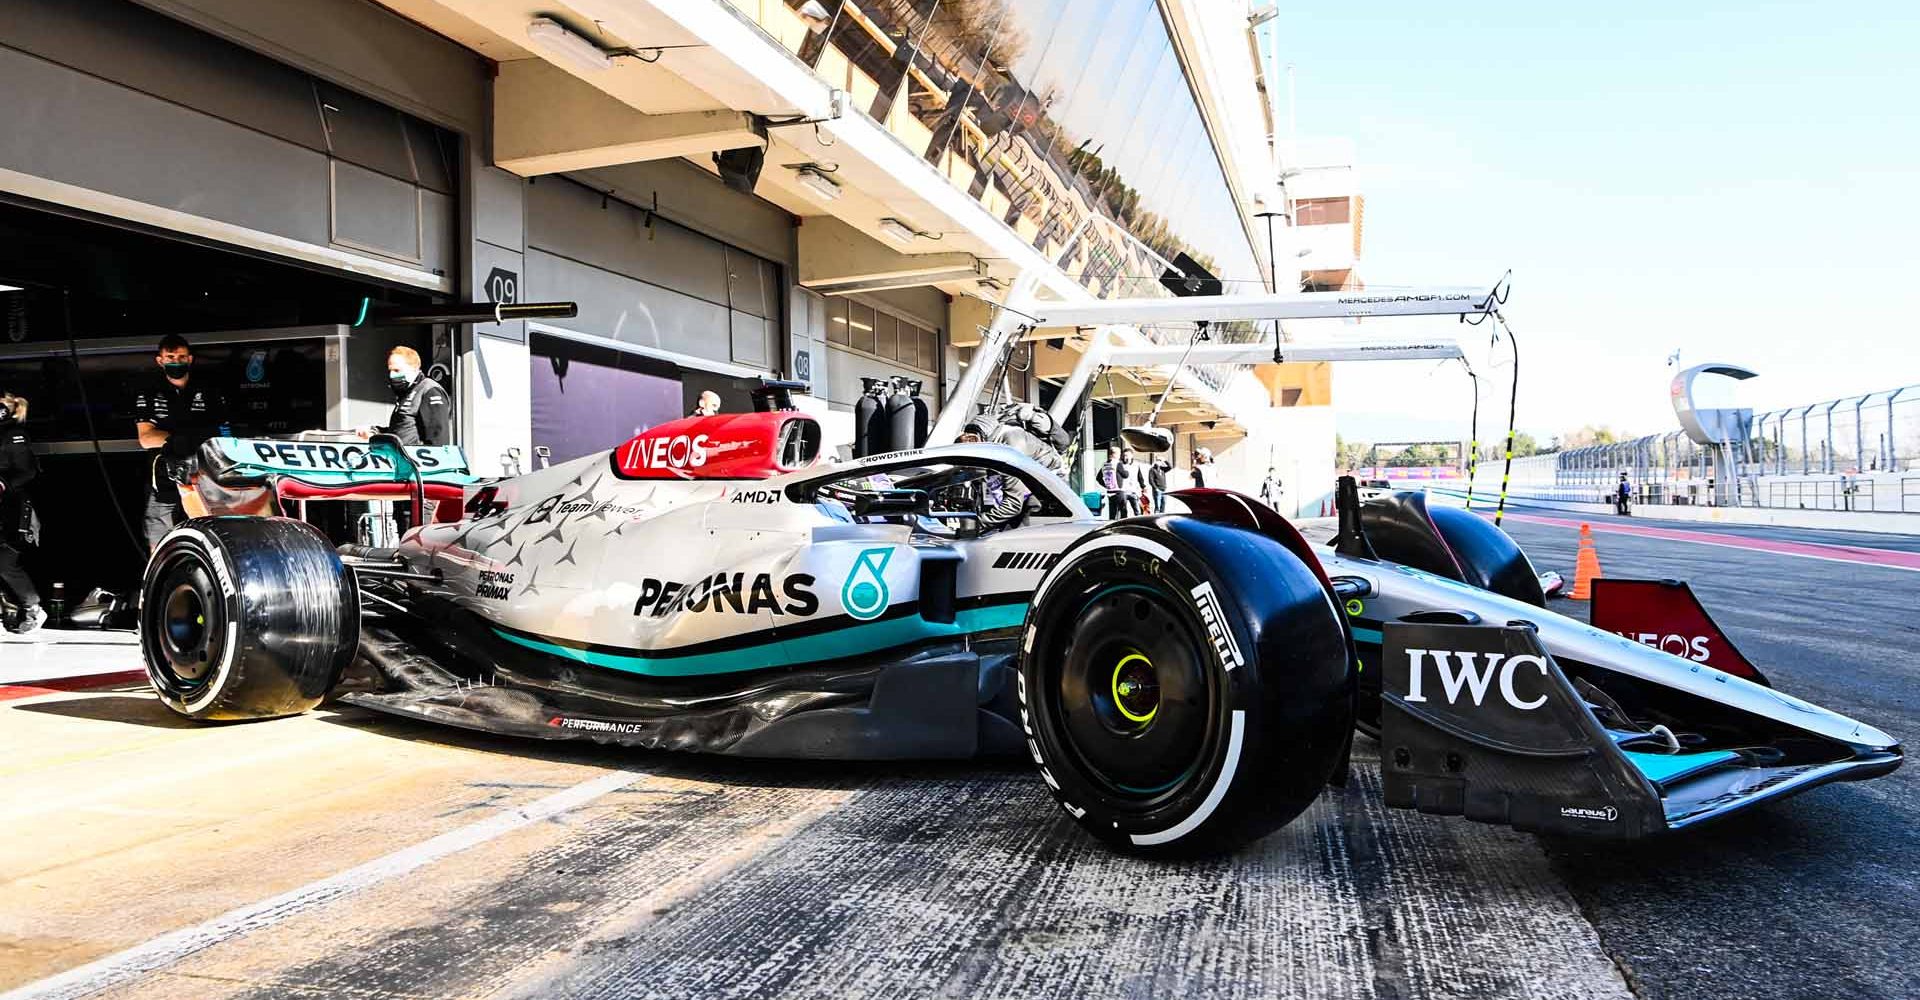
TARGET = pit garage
x,y
205,190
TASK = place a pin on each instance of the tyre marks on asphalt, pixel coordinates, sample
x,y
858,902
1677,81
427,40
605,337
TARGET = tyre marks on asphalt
x,y
886,896
1457,909
760,879
977,886
475,925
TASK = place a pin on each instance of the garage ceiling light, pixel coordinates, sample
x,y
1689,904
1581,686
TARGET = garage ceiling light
x,y
11,288
898,231
576,49
817,182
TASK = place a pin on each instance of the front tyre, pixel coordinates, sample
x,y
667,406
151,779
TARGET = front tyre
x,y
246,618
1185,686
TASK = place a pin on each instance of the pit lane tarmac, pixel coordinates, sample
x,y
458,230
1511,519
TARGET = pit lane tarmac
x,y
342,854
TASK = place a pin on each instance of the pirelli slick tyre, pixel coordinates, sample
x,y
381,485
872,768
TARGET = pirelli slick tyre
x,y
1184,686
246,618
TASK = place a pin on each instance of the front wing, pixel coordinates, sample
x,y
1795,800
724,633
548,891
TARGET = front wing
x,y
1479,721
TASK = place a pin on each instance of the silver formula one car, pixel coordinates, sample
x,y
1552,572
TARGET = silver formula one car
x,y
1185,682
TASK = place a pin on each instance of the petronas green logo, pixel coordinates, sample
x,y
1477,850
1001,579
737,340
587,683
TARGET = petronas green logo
x,y
864,595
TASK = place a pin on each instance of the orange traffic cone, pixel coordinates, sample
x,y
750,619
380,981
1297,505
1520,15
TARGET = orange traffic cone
x,y
1586,567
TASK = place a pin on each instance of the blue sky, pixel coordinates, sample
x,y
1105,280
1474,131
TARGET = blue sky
x,y
1738,181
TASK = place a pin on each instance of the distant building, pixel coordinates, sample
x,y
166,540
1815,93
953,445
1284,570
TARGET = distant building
x,y
1322,189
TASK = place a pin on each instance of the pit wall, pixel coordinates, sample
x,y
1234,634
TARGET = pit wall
x,y
1840,520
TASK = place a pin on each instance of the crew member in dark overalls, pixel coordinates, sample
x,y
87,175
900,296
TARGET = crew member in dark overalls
x,y
1621,495
422,411
17,469
173,416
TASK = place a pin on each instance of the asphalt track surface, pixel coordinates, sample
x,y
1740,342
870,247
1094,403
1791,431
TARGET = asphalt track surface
x,y
1812,897
345,855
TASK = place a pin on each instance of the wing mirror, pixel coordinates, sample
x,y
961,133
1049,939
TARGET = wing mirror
x,y
1147,439
890,503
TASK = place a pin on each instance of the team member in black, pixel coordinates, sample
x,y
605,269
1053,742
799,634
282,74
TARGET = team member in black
x,y
422,412
174,416
17,469
1157,482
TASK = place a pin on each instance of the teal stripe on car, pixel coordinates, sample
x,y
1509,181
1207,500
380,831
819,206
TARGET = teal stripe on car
x,y
854,640
1371,635
1662,767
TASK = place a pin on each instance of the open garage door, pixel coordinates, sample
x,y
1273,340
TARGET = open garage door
x,y
84,306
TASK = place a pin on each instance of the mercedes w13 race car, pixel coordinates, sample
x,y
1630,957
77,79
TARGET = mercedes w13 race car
x,y
1185,682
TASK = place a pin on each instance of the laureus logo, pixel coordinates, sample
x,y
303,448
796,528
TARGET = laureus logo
x,y
864,595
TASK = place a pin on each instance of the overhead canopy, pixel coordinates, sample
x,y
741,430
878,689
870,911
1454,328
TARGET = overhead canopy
x,y
1306,305
1292,351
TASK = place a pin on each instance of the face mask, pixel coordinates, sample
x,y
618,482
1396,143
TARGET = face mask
x,y
177,369
400,382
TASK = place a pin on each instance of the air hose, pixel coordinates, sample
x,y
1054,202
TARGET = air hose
x,y
93,433
1473,431
1513,404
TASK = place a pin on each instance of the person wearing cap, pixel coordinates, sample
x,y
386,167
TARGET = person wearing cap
x,y
1621,493
1202,457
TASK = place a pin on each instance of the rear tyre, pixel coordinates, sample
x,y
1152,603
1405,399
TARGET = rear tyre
x,y
246,618
1184,686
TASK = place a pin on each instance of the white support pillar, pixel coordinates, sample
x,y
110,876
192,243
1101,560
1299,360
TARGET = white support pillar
x,y
1090,364
959,407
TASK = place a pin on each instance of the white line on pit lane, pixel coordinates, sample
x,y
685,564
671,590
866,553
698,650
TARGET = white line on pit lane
x,y
167,949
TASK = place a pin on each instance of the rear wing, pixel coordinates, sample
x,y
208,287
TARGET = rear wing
x,y
241,462
261,476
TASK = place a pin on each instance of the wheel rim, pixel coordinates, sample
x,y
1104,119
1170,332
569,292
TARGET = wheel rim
x,y
1134,695
184,615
